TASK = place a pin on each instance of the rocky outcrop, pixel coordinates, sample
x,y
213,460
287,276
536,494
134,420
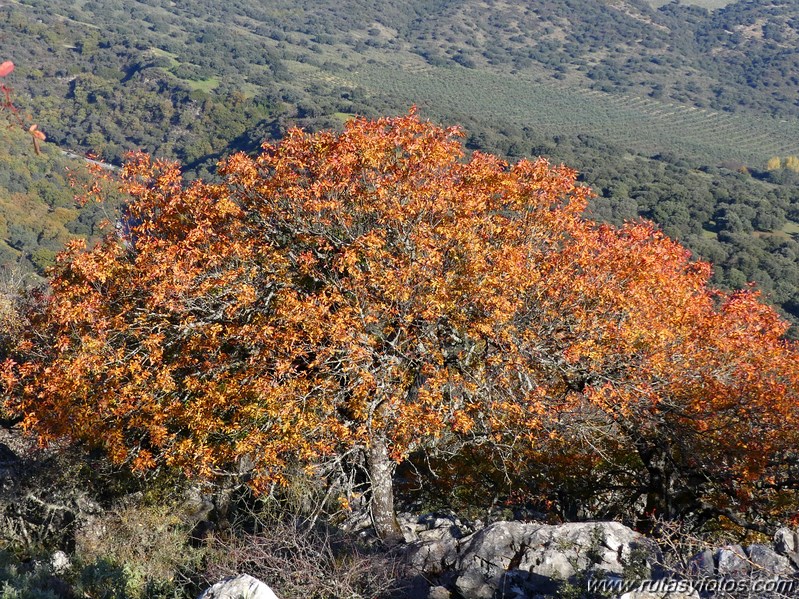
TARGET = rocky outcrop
x,y
736,561
518,560
786,543
239,587
36,509
655,595
524,559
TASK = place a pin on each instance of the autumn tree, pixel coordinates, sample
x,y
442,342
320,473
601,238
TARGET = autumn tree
x,y
774,163
376,291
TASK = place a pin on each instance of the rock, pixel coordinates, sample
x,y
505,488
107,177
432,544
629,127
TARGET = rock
x,y
439,593
702,565
663,595
431,527
197,505
767,562
785,542
434,541
731,561
519,560
360,523
59,563
526,558
31,521
238,587
433,557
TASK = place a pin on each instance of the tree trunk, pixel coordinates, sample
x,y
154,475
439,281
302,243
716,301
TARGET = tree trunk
x,y
381,470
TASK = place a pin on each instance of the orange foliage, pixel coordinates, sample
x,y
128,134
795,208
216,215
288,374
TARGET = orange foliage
x,y
376,286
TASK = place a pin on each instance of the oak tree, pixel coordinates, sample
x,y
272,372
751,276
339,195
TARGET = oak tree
x,y
377,290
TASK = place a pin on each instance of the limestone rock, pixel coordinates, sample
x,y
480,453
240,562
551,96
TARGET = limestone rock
x,y
527,558
439,592
664,595
767,562
786,543
242,586
702,564
731,561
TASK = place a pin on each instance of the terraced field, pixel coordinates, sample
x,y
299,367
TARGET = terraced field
x,y
708,4
637,123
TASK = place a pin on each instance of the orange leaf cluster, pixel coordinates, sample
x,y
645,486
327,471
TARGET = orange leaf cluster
x,y
376,284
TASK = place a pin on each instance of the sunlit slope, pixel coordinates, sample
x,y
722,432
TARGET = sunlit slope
x,y
554,108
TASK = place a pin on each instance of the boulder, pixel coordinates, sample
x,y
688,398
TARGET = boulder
x,y
702,565
787,544
767,562
731,562
523,558
439,592
242,586
433,557
433,539
431,527
785,541
655,595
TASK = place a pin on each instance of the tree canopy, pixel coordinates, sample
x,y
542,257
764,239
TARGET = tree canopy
x,y
377,290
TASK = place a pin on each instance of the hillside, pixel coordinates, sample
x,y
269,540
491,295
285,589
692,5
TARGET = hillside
x,y
189,80
621,90
351,325
384,354
38,213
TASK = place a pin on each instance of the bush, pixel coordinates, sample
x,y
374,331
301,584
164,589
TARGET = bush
x,y
138,551
299,561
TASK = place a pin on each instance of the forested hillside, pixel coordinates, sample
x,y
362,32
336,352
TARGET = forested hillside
x,y
38,213
247,325
670,113
190,80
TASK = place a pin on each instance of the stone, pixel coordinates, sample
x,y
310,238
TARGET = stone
x,y
524,558
430,527
702,565
59,563
787,544
731,561
785,541
439,592
664,595
242,586
197,505
433,557
767,562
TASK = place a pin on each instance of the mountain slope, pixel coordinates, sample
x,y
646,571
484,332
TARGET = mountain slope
x,y
688,96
